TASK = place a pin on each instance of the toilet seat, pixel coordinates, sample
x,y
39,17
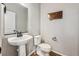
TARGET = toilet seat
x,y
40,53
45,47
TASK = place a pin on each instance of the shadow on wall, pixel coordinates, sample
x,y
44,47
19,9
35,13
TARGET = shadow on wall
x,y
8,50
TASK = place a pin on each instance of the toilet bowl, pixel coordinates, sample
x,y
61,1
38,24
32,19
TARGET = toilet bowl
x,y
43,49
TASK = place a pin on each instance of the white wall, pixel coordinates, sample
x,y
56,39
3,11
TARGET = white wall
x,y
34,19
66,30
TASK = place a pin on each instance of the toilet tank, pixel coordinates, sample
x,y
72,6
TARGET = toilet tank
x,y
37,39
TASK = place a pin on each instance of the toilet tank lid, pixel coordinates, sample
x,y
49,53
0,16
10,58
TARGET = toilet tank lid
x,y
37,36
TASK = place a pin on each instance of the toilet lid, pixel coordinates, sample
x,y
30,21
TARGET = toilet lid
x,y
44,45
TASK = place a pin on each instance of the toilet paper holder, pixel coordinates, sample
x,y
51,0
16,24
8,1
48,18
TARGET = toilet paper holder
x,y
54,38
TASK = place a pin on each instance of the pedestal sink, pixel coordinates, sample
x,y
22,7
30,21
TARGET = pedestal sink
x,y
20,42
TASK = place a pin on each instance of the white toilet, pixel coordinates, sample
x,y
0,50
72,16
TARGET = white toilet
x,y
43,49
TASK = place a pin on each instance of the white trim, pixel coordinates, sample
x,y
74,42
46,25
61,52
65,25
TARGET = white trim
x,y
58,53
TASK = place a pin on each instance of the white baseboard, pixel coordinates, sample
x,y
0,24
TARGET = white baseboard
x,y
58,53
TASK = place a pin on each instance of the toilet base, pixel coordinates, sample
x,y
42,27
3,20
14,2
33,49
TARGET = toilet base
x,y
41,53
22,50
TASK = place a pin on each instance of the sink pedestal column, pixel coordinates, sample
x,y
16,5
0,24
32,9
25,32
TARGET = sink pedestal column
x,y
22,50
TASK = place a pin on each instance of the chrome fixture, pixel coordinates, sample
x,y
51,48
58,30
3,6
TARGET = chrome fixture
x,y
19,34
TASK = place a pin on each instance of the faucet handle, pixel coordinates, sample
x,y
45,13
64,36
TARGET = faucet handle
x,y
14,30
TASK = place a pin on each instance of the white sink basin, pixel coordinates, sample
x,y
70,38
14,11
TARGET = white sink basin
x,y
17,41
20,42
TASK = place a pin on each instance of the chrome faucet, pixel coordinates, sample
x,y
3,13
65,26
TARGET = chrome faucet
x,y
19,34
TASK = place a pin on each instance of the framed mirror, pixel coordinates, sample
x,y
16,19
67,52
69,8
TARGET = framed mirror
x,y
16,18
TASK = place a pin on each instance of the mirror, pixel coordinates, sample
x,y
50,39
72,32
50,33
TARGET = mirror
x,y
16,18
9,21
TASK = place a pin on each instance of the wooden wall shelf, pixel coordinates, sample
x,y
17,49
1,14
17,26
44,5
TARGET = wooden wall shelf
x,y
55,15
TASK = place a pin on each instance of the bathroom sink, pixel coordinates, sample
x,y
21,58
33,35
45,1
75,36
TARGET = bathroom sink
x,y
17,41
20,42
